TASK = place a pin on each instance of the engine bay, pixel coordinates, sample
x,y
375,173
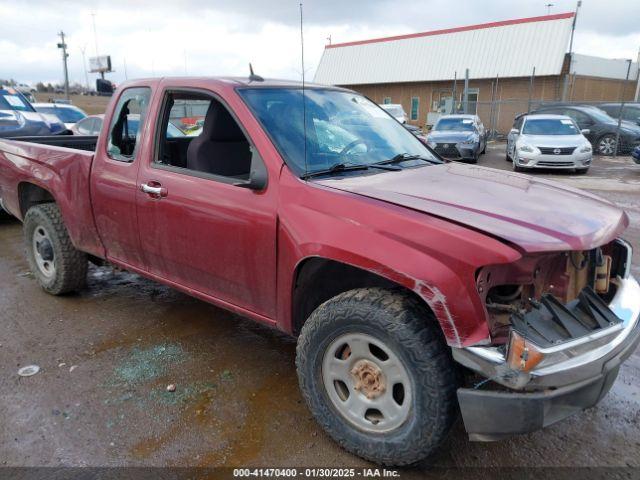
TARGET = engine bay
x,y
553,297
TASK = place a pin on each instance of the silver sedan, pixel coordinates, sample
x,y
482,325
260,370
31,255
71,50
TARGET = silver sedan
x,y
548,141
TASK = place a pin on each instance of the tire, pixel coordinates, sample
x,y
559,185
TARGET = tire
x,y
582,171
410,336
516,168
54,261
606,145
508,157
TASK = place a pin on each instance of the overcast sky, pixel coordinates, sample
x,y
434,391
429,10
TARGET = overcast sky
x,y
220,37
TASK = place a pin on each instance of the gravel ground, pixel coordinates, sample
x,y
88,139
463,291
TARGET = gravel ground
x,y
108,354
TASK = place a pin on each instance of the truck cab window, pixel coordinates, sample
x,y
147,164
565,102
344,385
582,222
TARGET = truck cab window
x,y
197,133
124,136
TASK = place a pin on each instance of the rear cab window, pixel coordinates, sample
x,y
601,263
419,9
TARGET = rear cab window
x,y
124,131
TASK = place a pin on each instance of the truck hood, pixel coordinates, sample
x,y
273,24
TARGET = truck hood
x,y
534,214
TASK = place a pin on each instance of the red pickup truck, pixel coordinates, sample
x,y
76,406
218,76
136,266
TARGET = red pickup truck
x,y
417,289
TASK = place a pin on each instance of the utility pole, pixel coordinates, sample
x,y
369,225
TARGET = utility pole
x,y
549,5
83,49
637,95
126,77
454,93
65,55
573,30
531,80
466,92
624,85
185,61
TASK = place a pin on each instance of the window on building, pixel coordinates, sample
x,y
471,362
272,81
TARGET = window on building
x,y
386,100
415,108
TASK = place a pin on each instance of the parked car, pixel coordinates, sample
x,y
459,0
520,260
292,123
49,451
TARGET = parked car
x,y
18,118
602,128
417,131
30,96
397,272
548,141
630,111
92,125
69,114
636,155
25,88
458,137
396,111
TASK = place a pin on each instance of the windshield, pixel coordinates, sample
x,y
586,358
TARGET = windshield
x,y
454,125
67,115
341,127
550,126
12,100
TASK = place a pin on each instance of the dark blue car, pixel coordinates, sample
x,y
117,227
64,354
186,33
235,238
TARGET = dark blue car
x,y
18,118
636,155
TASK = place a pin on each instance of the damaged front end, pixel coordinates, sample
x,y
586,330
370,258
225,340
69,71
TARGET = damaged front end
x,y
561,324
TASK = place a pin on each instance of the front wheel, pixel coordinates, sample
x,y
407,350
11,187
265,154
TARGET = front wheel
x,y
606,145
516,168
54,261
376,373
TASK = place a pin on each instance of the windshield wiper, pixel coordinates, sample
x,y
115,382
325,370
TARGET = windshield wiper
x,y
338,167
403,157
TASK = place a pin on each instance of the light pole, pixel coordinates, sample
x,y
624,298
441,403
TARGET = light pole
x,y
95,35
84,66
573,30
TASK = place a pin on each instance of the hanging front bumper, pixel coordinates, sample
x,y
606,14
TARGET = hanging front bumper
x,y
574,375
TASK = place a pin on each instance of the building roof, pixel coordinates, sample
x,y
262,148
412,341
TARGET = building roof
x,y
508,48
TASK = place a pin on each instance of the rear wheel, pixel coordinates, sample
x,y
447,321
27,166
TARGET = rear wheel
x,y
55,262
377,375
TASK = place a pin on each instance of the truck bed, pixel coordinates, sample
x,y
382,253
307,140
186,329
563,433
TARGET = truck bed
x,y
33,169
78,142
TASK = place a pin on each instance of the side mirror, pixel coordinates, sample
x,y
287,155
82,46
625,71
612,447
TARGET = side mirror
x,y
258,177
585,131
515,131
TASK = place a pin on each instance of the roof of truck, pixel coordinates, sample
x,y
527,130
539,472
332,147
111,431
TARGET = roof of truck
x,y
239,81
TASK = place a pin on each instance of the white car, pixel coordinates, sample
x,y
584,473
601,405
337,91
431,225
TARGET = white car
x,y
24,88
396,111
548,141
69,114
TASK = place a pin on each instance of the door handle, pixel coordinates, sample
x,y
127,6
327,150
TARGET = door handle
x,y
154,190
